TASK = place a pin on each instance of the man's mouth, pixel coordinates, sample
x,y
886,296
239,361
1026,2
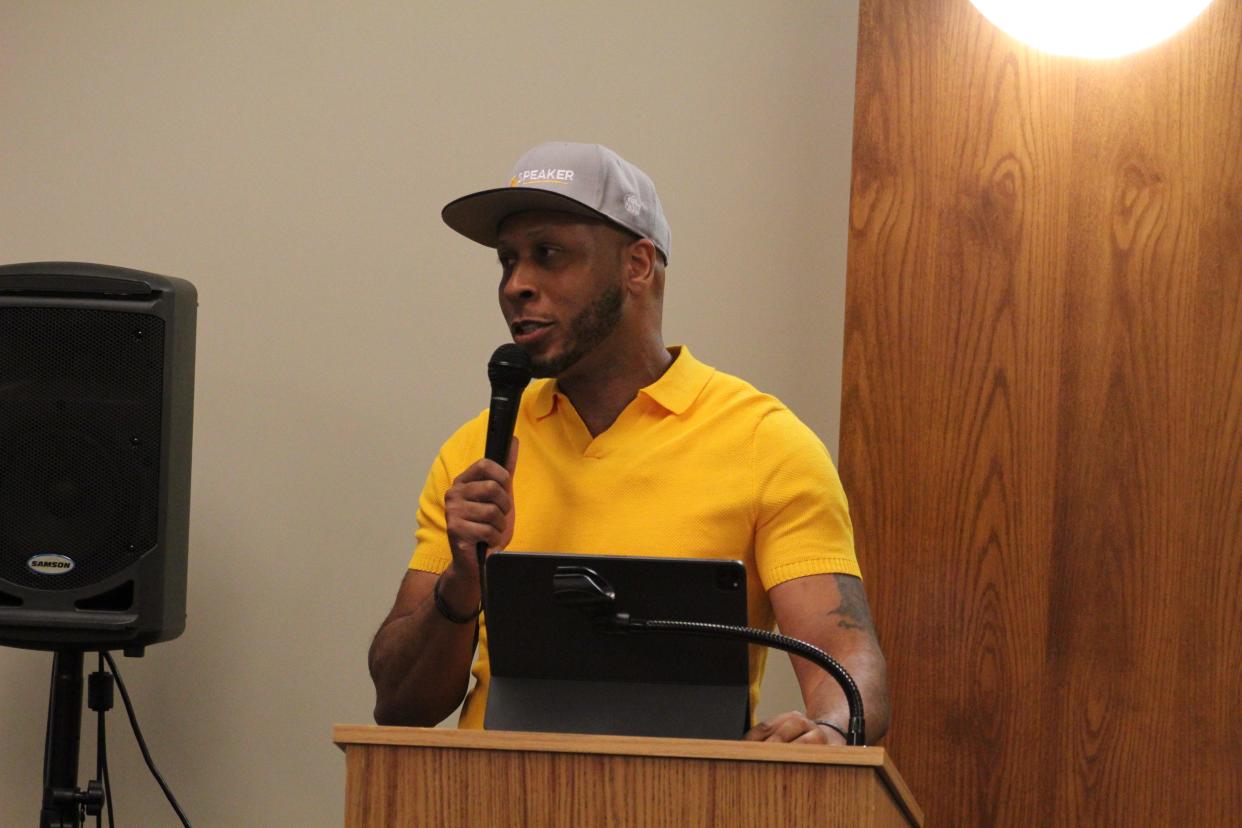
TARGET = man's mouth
x,y
525,330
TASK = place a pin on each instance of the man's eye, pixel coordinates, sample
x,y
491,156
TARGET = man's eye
x,y
546,251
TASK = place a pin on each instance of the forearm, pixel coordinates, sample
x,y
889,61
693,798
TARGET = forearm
x,y
419,660
831,612
826,701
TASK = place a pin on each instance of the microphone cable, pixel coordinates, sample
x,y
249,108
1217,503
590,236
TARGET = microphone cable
x,y
142,746
100,700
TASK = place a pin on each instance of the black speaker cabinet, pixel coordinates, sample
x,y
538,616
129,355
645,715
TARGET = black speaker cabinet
x,y
96,410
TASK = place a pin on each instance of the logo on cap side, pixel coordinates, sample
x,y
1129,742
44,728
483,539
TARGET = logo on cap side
x,y
49,564
632,205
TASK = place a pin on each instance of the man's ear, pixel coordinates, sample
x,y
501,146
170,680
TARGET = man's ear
x,y
640,265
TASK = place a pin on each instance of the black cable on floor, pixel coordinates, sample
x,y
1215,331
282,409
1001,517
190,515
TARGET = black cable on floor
x,y
142,743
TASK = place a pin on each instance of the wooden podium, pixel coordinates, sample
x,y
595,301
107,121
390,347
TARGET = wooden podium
x,y
397,776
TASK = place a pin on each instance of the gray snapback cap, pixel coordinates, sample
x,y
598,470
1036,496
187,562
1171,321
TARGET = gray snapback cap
x,y
586,179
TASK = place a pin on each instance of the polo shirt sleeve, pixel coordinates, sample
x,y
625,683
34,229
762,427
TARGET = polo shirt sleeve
x,y
802,524
431,550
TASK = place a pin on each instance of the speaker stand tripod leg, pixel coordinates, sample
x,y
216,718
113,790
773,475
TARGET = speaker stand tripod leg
x,y
62,806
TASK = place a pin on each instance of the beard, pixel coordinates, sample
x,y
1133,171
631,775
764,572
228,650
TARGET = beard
x,y
591,326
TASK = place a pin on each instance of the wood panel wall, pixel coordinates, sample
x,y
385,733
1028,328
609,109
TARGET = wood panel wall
x,y
1042,416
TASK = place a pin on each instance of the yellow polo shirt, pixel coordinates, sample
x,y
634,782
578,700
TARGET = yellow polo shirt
x,y
698,465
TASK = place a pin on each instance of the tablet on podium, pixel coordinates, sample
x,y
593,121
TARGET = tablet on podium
x,y
553,669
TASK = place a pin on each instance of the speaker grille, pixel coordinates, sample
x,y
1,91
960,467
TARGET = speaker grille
x,y
80,439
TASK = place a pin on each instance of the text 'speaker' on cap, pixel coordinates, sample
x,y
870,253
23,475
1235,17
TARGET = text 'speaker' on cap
x,y
586,179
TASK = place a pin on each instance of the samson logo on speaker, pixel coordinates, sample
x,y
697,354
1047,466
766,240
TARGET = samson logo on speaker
x,y
50,564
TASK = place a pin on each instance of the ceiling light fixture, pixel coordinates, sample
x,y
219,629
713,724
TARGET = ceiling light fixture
x,y
1091,28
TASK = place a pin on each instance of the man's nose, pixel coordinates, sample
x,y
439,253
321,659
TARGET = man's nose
x,y
520,283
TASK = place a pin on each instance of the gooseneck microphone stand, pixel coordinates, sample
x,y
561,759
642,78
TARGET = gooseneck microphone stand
x,y
856,734
64,803
586,590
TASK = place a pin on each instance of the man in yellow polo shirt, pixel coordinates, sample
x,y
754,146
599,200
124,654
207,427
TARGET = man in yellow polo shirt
x,y
624,446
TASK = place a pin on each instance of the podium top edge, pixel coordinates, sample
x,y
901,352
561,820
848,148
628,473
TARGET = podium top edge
x,y
346,734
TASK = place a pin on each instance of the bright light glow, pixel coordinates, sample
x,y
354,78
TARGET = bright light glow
x,y
1091,28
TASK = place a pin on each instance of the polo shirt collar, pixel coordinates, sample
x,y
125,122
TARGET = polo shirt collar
x,y
681,384
544,401
675,391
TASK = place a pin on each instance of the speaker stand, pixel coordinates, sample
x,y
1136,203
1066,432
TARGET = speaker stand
x,y
63,803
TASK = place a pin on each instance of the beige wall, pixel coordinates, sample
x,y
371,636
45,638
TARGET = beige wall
x,y
290,159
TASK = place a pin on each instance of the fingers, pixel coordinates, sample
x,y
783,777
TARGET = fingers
x,y
488,470
788,727
478,506
479,498
481,521
814,736
471,521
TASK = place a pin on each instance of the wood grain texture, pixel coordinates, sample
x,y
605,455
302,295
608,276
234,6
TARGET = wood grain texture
x,y
343,734
408,776
1042,416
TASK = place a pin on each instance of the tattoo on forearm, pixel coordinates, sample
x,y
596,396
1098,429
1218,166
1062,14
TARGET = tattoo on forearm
x,y
853,612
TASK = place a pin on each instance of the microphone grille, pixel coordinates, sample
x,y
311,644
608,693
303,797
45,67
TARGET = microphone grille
x,y
509,367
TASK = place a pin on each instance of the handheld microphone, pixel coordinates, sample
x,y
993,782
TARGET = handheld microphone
x,y
509,372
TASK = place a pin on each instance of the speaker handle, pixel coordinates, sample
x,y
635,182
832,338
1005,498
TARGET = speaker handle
x,y
63,283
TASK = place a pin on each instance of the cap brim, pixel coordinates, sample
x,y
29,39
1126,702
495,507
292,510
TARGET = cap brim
x,y
478,216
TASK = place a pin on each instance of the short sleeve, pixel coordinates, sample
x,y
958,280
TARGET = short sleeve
x,y
431,550
802,525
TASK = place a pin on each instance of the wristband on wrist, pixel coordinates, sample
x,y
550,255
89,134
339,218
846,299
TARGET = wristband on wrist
x,y
827,723
444,609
